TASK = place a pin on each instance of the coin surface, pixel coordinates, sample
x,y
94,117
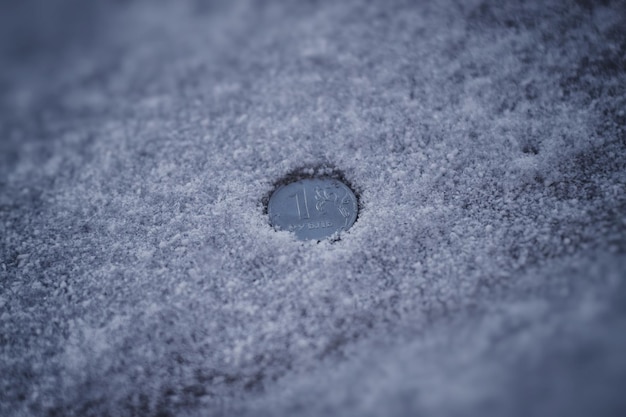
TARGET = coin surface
x,y
313,208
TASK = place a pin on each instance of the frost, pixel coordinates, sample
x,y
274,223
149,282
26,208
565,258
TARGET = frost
x,y
139,143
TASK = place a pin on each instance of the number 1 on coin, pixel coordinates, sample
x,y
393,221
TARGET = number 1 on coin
x,y
304,203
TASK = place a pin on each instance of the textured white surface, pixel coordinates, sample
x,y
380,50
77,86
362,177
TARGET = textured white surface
x,y
484,276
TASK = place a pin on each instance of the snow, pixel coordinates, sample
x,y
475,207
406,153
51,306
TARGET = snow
x,y
485,274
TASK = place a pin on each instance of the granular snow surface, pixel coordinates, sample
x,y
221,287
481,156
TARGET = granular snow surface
x,y
484,276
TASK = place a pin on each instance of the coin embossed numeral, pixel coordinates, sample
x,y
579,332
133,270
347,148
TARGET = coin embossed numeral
x,y
301,204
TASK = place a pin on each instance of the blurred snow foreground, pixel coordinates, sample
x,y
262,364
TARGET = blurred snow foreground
x,y
485,275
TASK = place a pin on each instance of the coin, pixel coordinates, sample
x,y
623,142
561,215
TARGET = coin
x,y
313,208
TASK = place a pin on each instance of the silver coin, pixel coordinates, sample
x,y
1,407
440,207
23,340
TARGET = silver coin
x,y
313,208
